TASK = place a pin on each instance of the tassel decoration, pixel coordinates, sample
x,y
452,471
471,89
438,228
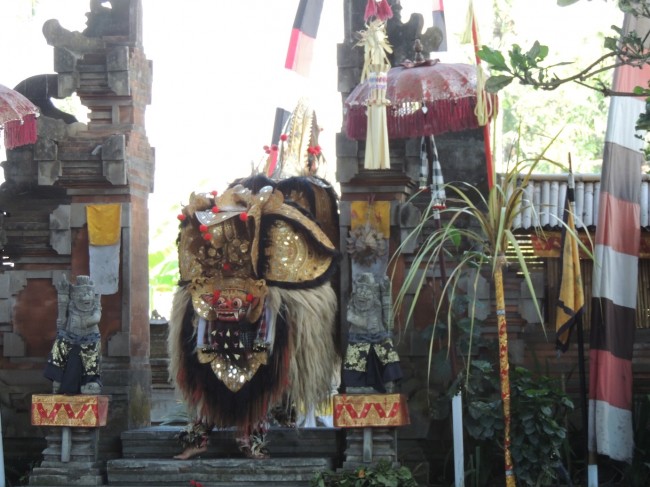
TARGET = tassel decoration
x,y
384,12
411,120
21,132
371,10
379,9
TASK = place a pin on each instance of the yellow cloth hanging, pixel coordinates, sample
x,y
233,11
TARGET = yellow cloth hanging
x,y
104,223
375,214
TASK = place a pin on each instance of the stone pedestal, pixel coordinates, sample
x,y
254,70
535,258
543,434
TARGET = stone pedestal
x,y
371,421
72,422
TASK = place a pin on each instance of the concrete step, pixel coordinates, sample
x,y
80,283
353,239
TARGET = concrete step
x,y
161,442
234,472
296,455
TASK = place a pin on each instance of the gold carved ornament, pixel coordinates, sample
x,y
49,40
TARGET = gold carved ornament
x,y
219,247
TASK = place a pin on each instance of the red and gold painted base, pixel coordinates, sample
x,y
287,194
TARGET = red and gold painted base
x,y
368,410
80,410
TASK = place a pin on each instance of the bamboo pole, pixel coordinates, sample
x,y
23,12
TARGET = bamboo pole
x,y
504,368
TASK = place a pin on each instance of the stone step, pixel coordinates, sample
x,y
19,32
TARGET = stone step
x,y
234,472
161,442
64,475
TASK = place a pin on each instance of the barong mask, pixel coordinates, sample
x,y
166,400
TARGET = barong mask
x,y
231,248
250,236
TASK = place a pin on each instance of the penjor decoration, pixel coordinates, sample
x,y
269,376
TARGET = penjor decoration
x,y
253,318
375,68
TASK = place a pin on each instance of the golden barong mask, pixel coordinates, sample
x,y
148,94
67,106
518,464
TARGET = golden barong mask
x,y
228,236
229,299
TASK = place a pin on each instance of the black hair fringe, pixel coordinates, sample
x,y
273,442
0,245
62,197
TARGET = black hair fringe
x,y
245,408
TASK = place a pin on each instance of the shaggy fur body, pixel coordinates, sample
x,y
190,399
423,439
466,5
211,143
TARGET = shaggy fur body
x,y
214,254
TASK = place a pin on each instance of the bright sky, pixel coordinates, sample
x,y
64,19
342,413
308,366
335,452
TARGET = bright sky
x,y
218,75
216,82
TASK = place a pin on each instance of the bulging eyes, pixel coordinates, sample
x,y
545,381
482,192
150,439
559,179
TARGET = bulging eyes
x,y
222,302
237,303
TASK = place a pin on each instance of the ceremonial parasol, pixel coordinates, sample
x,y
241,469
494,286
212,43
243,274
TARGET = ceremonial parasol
x,y
424,98
17,118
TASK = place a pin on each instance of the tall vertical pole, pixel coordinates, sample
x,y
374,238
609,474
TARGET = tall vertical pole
x,y
434,177
2,457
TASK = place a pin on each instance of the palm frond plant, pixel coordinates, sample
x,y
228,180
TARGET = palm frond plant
x,y
485,225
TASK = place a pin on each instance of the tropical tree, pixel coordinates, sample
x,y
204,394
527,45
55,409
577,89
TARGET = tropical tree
x,y
488,239
531,68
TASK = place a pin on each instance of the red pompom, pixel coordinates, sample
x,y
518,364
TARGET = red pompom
x,y
203,228
181,217
249,297
243,216
226,266
214,192
371,10
274,147
384,12
284,137
266,148
215,209
207,236
216,294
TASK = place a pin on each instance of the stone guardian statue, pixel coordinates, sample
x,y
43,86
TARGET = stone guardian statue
x,y
73,364
371,361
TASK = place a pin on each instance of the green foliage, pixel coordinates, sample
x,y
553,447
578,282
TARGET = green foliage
x,y
163,274
538,408
163,267
383,474
484,226
530,69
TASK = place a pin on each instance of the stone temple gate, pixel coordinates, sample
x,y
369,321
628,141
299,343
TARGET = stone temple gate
x,y
50,185
47,190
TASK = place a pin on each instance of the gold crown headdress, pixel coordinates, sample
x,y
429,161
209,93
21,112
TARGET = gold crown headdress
x,y
249,236
82,283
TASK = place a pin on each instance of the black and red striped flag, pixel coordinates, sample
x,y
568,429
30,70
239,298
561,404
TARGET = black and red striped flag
x,y
303,36
299,57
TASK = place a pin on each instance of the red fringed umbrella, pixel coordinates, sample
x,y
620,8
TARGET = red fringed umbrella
x,y
17,118
425,98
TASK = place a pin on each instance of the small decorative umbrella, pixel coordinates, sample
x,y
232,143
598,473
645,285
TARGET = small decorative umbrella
x,y
425,98
17,118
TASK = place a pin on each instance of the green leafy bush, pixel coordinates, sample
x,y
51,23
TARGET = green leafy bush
x,y
537,407
383,473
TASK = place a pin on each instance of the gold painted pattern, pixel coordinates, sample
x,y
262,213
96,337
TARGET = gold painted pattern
x,y
356,355
367,410
74,410
232,374
292,259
